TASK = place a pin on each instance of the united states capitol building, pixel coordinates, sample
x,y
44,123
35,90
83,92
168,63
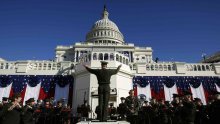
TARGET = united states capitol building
x,y
105,42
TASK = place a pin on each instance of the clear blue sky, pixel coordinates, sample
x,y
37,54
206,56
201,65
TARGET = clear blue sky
x,y
176,29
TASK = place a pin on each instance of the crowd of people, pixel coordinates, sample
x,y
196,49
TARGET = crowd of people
x,y
182,110
40,112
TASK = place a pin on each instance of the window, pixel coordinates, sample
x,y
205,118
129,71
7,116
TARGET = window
x,y
100,56
117,57
94,56
106,56
111,56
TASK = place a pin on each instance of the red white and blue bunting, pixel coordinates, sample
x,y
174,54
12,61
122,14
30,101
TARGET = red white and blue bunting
x,y
37,86
162,87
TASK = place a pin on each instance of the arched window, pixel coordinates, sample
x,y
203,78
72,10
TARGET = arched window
x,y
160,67
165,67
123,60
94,56
203,68
207,68
100,56
111,56
147,67
199,67
117,57
49,66
106,56
169,67
156,67
152,67
195,68
126,61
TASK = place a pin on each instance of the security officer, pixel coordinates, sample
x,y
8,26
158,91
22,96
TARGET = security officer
x,y
103,75
133,105
28,112
85,109
112,111
12,111
215,109
188,110
122,109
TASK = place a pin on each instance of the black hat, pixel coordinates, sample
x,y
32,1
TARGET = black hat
x,y
175,95
187,93
197,99
216,93
122,98
111,104
167,102
104,62
4,99
46,100
16,95
30,100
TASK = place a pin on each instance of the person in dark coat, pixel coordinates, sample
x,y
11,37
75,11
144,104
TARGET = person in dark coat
x,y
122,109
28,112
4,102
11,113
103,76
175,109
144,113
201,113
214,112
57,113
112,111
162,112
133,105
188,110
46,113
85,109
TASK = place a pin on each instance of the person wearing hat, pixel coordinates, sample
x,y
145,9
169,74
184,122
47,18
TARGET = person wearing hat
x,y
4,100
46,113
133,106
122,109
176,100
214,111
188,110
85,109
112,111
103,76
11,111
28,112
201,112
176,109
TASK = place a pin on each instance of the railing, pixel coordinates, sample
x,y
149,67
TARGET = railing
x,y
7,65
160,67
199,67
44,66
172,67
36,65
106,56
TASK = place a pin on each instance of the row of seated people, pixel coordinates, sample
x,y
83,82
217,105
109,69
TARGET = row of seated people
x,y
182,110
12,112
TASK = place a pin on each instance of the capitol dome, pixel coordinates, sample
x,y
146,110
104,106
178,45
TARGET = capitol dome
x,y
105,31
